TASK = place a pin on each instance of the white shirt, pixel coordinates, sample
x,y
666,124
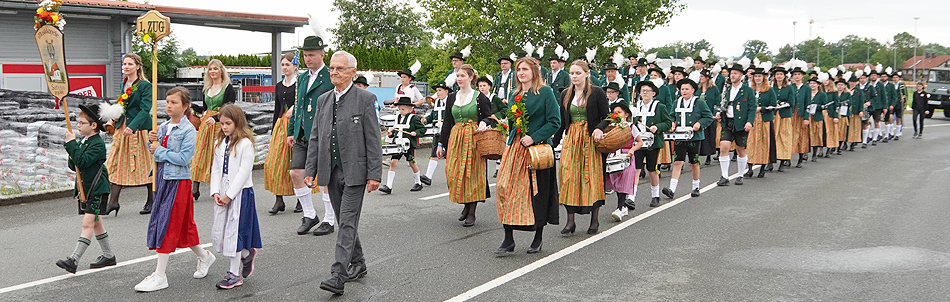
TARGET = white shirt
x,y
168,128
577,99
554,75
339,94
313,76
732,96
410,92
464,99
504,76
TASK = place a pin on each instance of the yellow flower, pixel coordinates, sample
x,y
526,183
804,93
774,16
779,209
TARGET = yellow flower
x,y
55,17
147,38
39,10
124,96
514,107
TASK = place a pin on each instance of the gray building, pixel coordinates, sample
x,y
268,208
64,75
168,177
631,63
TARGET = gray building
x,y
99,32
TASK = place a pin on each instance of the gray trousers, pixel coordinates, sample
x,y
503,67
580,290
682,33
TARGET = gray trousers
x,y
347,203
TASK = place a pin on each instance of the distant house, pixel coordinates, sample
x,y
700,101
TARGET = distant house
x,y
923,63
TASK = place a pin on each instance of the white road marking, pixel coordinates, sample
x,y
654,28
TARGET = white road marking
x,y
89,271
443,194
573,248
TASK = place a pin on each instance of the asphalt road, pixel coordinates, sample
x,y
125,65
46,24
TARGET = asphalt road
x,y
866,225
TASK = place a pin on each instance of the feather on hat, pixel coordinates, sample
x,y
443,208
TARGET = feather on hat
x,y
590,54
414,68
528,48
704,54
466,51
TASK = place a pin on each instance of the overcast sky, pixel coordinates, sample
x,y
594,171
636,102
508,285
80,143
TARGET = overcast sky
x,y
727,24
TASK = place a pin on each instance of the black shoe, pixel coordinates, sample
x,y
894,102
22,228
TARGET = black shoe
x,y
654,202
534,250
196,194
708,161
747,173
668,192
722,181
838,152
769,167
426,180
505,250
630,204
356,271
781,167
593,230
695,193
804,156
278,207
915,134
416,187
306,224
886,138
385,189
761,173
738,181
873,143
496,174
333,285
102,261
897,138
68,264
109,210
567,230
864,146
323,229
147,209
298,208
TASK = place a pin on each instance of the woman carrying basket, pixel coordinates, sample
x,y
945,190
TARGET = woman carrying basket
x,y
583,117
527,198
467,172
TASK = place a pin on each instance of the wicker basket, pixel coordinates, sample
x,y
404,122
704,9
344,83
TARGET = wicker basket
x,y
490,144
614,139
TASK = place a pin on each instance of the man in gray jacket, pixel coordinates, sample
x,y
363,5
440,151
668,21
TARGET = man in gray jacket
x,y
344,151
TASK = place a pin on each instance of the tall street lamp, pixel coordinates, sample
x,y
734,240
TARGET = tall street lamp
x,y
916,44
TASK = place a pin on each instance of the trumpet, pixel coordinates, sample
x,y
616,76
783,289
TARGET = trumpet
x,y
430,101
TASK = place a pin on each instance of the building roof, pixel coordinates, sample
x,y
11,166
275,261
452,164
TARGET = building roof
x,y
927,63
178,15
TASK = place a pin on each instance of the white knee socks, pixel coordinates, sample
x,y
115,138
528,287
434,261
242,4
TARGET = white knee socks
x,y
673,184
724,166
418,177
328,216
887,130
306,202
654,191
389,178
743,163
696,184
433,164
865,138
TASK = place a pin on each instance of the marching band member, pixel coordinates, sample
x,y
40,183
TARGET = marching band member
x,y
581,174
613,76
665,95
867,97
900,103
653,120
436,117
559,78
878,98
816,117
709,93
697,116
785,124
613,94
406,88
625,182
465,170
128,162
408,128
504,79
762,137
843,96
737,115
498,107
458,59
831,118
527,199
855,112
801,92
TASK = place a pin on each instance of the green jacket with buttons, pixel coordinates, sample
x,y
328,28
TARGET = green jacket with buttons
x,y
744,105
304,110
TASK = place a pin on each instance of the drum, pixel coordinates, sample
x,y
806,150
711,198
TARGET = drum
x,y
432,131
388,120
680,134
490,144
542,157
647,138
392,149
617,163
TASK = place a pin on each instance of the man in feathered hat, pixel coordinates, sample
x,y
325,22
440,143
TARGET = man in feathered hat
x,y
504,79
737,116
558,79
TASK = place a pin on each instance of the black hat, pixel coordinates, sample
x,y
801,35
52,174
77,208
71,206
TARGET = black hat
x,y
611,66
521,54
842,81
737,67
555,57
647,83
406,72
699,59
853,79
441,85
814,79
778,69
874,72
92,111
457,55
679,69
642,62
312,43
750,67
505,59
361,80
706,73
687,81
812,72
632,55
622,106
662,74
484,79
612,85
404,101
796,69
760,71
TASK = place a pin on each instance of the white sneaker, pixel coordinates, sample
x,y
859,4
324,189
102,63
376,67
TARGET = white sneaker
x,y
152,283
608,192
618,215
624,211
202,270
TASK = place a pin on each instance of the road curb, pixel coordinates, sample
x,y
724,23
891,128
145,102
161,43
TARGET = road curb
x,y
36,196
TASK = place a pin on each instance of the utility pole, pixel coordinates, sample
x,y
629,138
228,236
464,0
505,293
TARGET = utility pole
x,y
916,44
794,33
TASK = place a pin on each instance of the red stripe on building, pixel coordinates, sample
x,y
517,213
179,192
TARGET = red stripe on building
x,y
257,89
37,68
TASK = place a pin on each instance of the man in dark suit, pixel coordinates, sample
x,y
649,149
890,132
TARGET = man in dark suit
x,y
310,85
343,154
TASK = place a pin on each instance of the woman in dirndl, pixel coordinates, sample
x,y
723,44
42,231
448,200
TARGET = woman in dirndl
x,y
854,113
709,93
217,92
762,137
784,136
527,199
801,93
832,122
129,161
816,118
467,111
277,164
581,176
843,96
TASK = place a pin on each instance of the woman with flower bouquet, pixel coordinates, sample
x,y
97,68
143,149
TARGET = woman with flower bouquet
x,y
129,161
466,172
584,111
527,199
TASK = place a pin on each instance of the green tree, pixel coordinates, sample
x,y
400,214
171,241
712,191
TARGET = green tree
x,y
497,28
755,47
169,58
379,23
674,49
938,49
763,57
695,47
784,54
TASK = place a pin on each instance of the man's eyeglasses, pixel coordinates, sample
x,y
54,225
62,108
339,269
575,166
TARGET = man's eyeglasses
x,y
338,68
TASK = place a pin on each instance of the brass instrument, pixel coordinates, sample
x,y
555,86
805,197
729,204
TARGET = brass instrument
x,y
430,101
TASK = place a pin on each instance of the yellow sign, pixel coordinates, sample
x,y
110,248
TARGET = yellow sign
x,y
50,42
155,23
